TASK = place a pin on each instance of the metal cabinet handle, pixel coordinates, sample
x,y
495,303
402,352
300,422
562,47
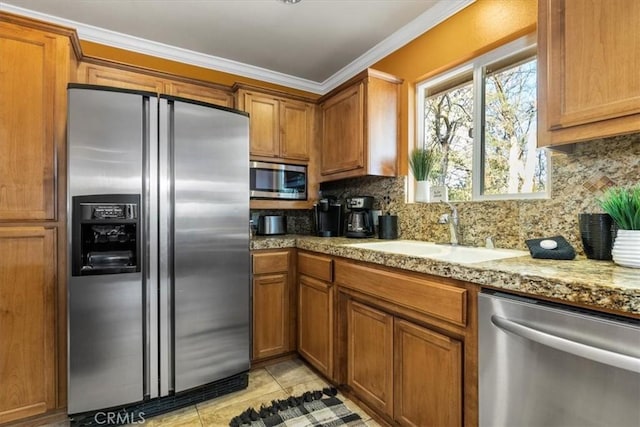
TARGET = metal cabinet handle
x,y
607,357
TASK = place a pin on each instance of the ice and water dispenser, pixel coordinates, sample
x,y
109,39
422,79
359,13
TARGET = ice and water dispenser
x,y
106,234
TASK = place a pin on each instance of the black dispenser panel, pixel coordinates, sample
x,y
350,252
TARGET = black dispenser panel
x,y
106,234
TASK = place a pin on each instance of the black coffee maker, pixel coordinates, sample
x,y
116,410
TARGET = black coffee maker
x,y
328,216
360,217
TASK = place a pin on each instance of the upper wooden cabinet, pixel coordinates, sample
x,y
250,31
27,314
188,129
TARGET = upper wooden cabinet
x,y
296,123
588,79
120,77
199,92
360,129
280,128
115,77
34,70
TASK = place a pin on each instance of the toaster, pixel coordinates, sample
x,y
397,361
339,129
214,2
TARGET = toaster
x,y
269,225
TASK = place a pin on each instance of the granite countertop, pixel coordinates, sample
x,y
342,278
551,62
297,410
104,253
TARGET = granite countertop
x,y
600,284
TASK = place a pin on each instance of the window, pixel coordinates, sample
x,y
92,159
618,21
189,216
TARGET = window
x,y
480,119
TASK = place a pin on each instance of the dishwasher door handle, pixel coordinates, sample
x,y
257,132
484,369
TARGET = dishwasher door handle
x,y
607,357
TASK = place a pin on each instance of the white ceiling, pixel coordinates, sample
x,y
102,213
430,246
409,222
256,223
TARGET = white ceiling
x,y
314,45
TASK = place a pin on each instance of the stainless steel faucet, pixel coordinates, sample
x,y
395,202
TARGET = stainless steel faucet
x,y
453,222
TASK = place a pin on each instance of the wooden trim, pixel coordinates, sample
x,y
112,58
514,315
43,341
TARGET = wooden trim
x,y
53,418
589,131
271,92
23,412
47,27
369,72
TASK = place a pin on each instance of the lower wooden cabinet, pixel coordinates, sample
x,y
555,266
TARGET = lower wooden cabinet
x,y
27,322
273,308
271,315
407,372
402,343
370,355
409,344
316,311
427,377
315,323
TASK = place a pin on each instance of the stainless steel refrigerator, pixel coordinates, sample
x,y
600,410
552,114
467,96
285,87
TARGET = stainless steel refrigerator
x,y
158,207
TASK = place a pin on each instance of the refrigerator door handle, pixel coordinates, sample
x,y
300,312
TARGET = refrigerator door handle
x,y
165,172
150,206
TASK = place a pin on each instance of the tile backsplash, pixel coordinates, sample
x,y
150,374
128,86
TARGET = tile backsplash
x,y
578,179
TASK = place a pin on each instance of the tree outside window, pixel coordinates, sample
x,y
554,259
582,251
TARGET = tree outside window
x,y
497,94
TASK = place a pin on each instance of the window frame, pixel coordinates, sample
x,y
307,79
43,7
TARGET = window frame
x,y
519,50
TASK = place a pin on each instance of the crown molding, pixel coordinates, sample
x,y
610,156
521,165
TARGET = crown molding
x,y
424,22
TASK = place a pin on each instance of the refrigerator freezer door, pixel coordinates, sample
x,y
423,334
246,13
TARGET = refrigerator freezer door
x,y
210,174
105,134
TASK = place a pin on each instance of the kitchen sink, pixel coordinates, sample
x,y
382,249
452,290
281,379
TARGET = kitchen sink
x,y
457,254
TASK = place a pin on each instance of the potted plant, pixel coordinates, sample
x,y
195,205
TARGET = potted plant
x,y
422,162
623,204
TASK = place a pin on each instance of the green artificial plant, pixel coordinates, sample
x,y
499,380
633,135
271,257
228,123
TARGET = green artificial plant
x,y
422,162
623,204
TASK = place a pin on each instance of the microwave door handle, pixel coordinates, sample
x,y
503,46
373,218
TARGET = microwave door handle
x,y
618,360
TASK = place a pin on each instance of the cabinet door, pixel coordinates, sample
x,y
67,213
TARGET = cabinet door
x,y
200,93
264,128
370,355
27,322
315,323
270,315
114,77
296,123
27,123
343,131
589,57
427,376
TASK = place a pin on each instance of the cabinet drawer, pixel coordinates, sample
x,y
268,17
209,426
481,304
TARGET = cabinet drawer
x,y
270,262
425,295
316,266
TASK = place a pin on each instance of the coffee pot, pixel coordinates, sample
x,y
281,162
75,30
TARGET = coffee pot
x,y
360,218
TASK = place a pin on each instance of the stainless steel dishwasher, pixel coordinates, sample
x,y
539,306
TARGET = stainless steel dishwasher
x,y
544,364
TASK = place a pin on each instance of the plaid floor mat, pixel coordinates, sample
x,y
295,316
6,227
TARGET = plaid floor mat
x,y
317,408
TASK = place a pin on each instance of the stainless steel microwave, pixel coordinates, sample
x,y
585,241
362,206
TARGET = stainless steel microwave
x,y
278,181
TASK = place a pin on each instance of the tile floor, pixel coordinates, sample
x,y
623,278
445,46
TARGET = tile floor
x,y
291,377
278,381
